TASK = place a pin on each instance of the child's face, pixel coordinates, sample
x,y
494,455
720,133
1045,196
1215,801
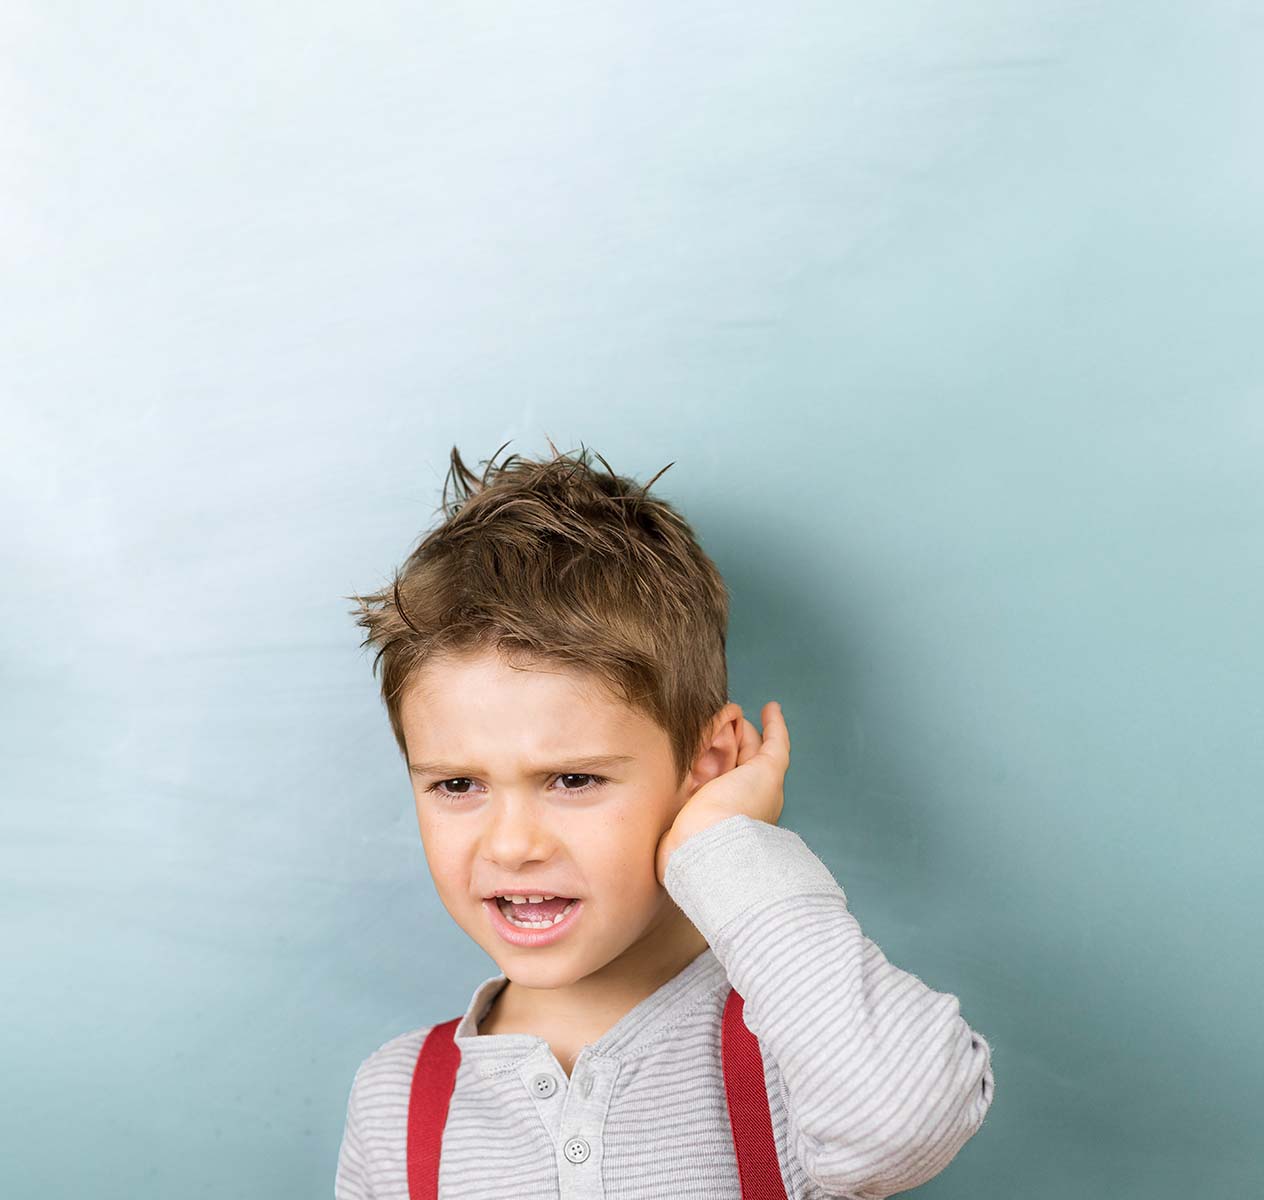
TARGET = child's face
x,y
511,802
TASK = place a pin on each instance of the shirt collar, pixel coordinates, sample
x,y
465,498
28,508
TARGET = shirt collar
x,y
638,1027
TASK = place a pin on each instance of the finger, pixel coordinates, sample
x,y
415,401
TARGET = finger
x,y
776,743
749,740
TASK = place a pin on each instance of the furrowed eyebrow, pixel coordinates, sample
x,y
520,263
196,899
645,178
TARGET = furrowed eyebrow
x,y
573,766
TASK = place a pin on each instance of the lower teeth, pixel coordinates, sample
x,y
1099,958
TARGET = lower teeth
x,y
538,924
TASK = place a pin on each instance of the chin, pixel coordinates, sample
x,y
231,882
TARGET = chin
x,y
545,970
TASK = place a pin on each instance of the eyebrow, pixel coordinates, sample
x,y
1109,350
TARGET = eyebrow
x,y
573,765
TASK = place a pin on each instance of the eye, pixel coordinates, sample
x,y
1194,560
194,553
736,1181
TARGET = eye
x,y
596,782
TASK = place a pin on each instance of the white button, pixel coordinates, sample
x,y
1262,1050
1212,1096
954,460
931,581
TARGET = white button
x,y
543,1085
577,1150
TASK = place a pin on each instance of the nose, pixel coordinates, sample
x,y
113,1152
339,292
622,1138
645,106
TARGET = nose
x,y
517,831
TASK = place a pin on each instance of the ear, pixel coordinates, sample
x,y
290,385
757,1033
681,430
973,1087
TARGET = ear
x,y
720,746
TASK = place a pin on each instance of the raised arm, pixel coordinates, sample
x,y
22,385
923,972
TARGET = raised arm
x,y
884,1080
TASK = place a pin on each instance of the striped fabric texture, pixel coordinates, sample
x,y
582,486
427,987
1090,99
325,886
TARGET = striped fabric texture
x,y
874,1080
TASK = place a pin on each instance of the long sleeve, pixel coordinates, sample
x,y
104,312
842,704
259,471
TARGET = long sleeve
x,y
352,1180
883,1080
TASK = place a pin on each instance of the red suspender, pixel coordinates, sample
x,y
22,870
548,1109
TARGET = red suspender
x,y
749,1115
435,1075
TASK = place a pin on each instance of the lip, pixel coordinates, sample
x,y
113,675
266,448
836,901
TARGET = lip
x,y
528,938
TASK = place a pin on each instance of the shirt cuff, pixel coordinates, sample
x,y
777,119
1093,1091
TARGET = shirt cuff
x,y
738,864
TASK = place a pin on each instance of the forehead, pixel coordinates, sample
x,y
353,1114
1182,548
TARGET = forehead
x,y
477,702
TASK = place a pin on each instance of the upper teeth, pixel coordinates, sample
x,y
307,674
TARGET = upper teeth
x,y
528,899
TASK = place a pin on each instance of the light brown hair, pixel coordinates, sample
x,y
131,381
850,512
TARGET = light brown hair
x,y
551,561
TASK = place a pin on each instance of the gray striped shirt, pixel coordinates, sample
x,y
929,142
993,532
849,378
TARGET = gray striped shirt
x,y
874,1080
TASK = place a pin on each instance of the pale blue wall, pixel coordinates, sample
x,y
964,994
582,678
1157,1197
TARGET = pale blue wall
x,y
948,315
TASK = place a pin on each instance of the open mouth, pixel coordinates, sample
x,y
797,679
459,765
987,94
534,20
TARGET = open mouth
x,y
527,925
543,914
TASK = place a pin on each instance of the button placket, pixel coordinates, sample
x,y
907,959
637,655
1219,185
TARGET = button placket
x,y
583,1126
542,1078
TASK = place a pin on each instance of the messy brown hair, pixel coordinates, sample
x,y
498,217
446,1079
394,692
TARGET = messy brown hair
x,y
551,561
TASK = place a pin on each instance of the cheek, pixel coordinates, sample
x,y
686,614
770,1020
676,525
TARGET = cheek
x,y
641,821
621,851
446,858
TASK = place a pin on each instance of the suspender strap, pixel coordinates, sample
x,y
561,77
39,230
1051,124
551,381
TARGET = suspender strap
x,y
434,1077
749,1114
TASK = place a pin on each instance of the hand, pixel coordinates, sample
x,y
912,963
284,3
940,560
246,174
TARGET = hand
x,y
755,787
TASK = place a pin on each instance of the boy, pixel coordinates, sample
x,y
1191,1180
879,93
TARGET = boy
x,y
685,1007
